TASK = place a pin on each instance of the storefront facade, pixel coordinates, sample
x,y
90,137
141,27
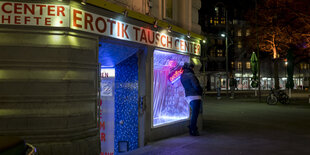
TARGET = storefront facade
x,y
79,79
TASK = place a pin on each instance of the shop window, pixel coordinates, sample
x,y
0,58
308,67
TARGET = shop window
x,y
248,65
239,65
169,104
219,52
168,10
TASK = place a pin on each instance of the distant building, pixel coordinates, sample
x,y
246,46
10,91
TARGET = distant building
x,y
212,18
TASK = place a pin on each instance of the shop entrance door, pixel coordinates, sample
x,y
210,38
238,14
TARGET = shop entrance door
x,y
119,98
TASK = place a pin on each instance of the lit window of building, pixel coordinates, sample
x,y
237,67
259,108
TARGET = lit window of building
x,y
222,20
247,32
211,21
232,64
168,9
304,66
216,21
219,53
248,65
239,33
239,44
239,65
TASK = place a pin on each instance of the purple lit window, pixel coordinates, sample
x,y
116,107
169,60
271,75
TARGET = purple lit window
x,y
169,104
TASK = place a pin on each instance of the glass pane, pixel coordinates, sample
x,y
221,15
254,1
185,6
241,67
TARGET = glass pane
x,y
169,104
168,8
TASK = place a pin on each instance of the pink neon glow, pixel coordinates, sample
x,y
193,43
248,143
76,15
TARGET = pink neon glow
x,y
169,104
176,74
172,63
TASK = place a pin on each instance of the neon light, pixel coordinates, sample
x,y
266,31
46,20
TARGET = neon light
x,y
176,75
172,63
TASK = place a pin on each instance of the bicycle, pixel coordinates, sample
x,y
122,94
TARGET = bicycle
x,y
276,96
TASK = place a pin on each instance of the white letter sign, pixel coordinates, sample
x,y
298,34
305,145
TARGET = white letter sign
x,y
93,23
14,13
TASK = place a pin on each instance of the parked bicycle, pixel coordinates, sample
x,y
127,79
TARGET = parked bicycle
x,y
276,96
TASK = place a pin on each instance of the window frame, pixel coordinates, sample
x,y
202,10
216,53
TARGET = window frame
x,y
165,10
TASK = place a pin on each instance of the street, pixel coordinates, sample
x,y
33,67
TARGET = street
x,y
243,126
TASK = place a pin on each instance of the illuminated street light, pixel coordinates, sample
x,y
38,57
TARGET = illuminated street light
x,y
223,35
125,12
155,24
169,28
83,2
188,35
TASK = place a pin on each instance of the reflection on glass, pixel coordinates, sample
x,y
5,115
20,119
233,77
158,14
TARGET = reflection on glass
x,y
169,104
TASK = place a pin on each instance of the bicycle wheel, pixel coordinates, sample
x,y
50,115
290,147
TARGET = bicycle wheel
x,y
272,100
284,99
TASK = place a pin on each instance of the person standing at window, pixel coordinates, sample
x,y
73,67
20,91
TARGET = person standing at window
x,y
193,92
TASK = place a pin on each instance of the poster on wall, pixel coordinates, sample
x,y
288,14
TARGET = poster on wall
x,y
107,110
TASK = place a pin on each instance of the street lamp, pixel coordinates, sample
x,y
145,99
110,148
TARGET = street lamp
x,y
226,49
226,39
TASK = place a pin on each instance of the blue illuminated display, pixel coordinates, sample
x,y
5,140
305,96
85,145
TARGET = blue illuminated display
x,y
126,107
169,104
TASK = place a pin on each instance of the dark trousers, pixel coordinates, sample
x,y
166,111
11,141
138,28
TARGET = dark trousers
x,y
195,106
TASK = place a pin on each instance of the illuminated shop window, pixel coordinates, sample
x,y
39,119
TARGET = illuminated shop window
x,y
169,104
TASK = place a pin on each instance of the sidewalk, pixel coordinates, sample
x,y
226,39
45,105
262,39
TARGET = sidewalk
x,y
242,126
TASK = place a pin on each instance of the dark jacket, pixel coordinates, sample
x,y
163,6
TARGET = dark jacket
x,y
190,83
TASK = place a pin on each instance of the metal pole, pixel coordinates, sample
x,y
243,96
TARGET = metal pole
x,y
258,57
226,52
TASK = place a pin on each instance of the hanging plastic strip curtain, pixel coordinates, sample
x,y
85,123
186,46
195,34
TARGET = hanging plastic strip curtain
x,y
169,104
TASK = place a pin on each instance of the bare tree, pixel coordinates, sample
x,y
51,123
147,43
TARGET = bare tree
x,y
281,24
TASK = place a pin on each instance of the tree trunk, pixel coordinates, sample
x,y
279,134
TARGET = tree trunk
x,y
276,74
